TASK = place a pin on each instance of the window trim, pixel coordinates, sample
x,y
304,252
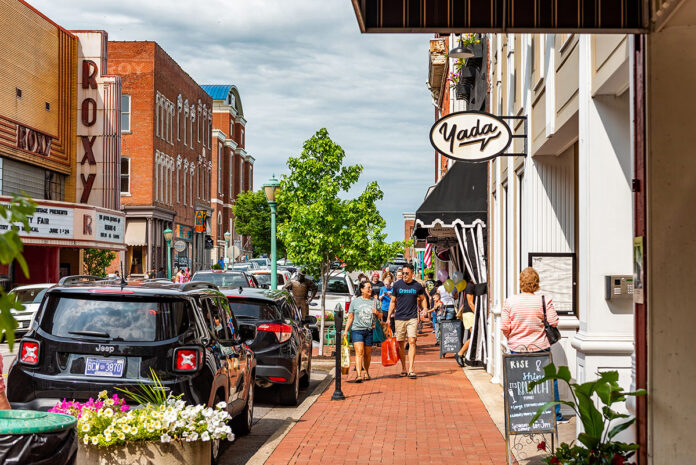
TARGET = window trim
x,y
129,113
128,160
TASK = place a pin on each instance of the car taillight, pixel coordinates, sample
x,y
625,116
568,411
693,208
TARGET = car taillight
x,y
29,353
186,359
282,332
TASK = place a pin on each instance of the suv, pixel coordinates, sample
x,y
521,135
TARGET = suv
x,y
93,335
283,343
30,296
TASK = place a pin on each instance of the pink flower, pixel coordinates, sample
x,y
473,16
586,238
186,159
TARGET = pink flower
x,y
125,408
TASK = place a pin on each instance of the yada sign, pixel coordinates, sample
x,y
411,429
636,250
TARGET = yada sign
x,y
470,136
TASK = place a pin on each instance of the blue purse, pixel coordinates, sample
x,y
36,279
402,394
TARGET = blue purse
x,y
378,336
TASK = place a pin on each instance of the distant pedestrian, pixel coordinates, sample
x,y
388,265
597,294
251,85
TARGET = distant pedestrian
x,y
362,278
160,273
376,284
385,293
449,305
522,321
4,403
407,296
359,324
187,275
435,313
179,277
467,306
399,275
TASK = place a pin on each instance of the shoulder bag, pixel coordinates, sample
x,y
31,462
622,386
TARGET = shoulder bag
x,y
552,333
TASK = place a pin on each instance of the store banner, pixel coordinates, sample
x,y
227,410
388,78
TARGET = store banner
x,y
201,217
183,232
47,222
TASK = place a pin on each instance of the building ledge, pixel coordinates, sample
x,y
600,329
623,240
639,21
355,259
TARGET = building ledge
x,y
437,66
605,344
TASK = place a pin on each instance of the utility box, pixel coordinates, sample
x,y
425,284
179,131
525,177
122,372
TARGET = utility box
x,y
618,287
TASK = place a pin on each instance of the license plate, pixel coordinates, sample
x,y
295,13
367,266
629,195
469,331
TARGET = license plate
x,y
105,367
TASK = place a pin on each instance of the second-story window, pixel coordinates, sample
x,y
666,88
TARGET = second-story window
x,y
125,175
125,113
219,163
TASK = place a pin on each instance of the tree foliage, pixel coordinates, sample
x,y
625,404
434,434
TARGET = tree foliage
x,y
322,227
17,213
96,261
253,218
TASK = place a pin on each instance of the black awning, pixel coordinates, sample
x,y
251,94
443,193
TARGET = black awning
x,y
461,197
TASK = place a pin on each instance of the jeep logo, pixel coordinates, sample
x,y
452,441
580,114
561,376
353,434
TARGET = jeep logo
x,y
105,349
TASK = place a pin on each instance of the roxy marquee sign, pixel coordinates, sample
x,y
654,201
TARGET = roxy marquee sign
x,y
471,136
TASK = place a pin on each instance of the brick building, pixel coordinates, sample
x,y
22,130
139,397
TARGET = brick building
x,y
232,167
59,141
166,162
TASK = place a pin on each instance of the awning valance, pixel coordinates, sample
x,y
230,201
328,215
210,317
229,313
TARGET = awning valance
x,y
460,198
136,232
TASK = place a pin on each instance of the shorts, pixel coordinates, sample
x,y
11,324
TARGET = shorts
x,y
362,335
406,328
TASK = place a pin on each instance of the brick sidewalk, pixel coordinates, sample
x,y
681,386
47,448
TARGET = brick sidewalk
x,y
435,419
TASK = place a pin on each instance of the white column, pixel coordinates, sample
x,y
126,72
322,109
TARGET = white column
x,y
605,338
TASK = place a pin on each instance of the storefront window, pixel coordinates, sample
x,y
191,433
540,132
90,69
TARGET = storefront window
x,y
54,186
125,113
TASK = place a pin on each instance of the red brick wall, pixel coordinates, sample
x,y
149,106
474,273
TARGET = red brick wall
x,y
408,232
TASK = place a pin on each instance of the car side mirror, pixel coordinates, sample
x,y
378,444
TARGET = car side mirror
x,y
309,320
247,333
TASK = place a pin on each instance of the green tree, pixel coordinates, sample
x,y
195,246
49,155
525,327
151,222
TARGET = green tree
x,y
96,261
321,226
17,212
253,218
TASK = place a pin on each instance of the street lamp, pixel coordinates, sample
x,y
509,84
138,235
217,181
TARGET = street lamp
x,y
168,234
227,241
271,189
460,51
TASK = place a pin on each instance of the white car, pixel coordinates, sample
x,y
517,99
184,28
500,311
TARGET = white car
x,y
263,263
30,296
264,278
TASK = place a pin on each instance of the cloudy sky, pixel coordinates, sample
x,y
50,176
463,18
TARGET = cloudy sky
x,y
299,65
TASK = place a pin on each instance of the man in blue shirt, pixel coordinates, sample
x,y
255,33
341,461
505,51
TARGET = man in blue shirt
x,y
407,295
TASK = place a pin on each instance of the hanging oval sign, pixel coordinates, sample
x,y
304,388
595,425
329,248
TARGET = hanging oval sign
x,y
470,136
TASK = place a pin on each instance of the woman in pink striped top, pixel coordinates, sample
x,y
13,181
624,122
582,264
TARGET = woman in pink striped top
x,y
522,322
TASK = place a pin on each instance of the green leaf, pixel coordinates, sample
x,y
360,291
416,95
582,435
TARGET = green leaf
x,y
592,420
620,427
610,414
564,373
547,406
589,441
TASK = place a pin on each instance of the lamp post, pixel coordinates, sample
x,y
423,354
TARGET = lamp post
x,y
271,190
168,234
227,242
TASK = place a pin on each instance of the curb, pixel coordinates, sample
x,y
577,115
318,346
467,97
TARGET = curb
x,y
265,451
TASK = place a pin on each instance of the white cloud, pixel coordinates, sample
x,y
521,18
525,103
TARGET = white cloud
x,y
299,65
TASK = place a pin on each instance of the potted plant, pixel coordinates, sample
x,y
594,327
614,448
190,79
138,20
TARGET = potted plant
x,y
461,79
600,427
162,430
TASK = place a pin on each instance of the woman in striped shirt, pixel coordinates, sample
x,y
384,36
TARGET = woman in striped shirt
x,y
522,321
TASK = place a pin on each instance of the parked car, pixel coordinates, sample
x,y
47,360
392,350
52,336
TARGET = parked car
x,y
264,278
245,266
225,278
96,335
339,292
30,296
261,262
283,343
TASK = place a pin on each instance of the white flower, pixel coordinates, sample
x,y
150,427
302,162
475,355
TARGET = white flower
x,y
108,413
107,437
193,436
221,405
95,440
230,436
85,440
205,436
85,428
103,394
121,436
165,438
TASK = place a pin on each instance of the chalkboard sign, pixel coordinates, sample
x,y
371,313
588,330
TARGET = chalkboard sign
x,y
450,337
520,404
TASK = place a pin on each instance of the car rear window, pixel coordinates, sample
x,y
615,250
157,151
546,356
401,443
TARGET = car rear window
x,y
222,280
336,285
255,310
115,319
265,278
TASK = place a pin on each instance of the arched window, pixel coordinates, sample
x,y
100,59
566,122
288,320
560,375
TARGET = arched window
x,y
178,118
186,117
157,114
185,175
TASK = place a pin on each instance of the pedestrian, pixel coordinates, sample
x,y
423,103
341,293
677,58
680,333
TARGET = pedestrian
x,y
359,324
303,290
362,277
407,296
179,277
4,403
376,284
187,275
449,306
385,293
435,313
522,322
399,274
160,273
466,307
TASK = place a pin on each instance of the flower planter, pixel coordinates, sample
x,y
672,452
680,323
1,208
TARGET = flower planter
x,y
146,453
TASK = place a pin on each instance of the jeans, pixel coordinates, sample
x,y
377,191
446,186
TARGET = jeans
x,y
556,397
449,313
436,329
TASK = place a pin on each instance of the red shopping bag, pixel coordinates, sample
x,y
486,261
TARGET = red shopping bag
x,y
390,350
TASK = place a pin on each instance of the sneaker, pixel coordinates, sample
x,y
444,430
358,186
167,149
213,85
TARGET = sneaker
x,y
562,420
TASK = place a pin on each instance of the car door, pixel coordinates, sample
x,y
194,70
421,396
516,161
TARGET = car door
x,y
240,383
302,332
221,342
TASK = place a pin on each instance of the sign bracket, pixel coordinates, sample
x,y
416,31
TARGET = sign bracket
x,y
525,150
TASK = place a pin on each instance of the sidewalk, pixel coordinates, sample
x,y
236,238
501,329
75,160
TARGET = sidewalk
x,y
435,419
